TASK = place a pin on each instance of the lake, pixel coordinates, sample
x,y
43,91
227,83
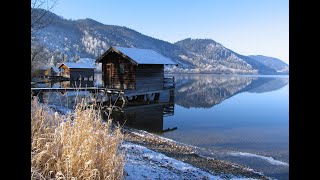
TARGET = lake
x,y
242,119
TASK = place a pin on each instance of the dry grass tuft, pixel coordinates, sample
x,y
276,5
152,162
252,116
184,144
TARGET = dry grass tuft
x,y
78,146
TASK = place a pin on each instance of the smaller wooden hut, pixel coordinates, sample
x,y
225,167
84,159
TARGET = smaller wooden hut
x,y
77,71
133,69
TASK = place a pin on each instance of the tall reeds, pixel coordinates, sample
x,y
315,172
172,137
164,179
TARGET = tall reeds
x,y
74,146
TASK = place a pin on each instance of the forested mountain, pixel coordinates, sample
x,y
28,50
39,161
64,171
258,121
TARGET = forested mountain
x,y
274,63
73,40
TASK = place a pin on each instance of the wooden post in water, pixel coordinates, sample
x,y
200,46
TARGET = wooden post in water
x,y
148,98
156,97
124,101
40,96
171,99
140,97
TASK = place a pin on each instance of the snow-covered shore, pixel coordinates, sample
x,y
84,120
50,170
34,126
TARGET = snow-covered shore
x,y
143,163
166,156
149,156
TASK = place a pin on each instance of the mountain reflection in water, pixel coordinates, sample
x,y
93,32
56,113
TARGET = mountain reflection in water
x,y
205,91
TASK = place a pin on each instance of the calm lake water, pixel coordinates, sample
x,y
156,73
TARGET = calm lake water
x,y
242,119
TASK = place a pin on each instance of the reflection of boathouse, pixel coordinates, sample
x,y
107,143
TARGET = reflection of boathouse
x,y
134,69
149,117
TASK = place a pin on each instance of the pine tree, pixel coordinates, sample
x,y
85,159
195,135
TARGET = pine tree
x,y
65,58
76,58
53,61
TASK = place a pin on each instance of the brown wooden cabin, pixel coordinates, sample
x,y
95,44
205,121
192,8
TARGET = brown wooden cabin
x,y
77,71
133,69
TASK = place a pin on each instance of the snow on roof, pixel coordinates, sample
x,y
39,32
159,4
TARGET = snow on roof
x,y
145,56
56,69
77,65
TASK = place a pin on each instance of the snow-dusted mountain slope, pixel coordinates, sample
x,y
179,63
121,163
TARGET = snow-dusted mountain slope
x,y
87,38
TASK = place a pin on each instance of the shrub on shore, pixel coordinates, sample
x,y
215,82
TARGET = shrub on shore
x,y
74,146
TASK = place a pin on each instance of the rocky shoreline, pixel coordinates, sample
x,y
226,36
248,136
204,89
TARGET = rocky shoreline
x,y
188,154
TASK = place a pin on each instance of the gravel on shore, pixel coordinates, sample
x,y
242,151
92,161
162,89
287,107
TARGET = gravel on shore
x,y
187,154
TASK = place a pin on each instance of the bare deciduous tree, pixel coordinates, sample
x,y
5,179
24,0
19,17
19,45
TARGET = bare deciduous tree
x,y
41,18
39,56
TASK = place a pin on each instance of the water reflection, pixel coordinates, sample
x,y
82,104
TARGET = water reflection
x,y
254,119
146,117
234,114
192,91
205,91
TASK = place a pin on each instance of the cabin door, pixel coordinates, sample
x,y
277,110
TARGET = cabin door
x,y
109,75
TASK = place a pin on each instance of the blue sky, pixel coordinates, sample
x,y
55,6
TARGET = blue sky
x,y
249,27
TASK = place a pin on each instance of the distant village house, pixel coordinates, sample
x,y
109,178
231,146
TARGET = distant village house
x,y
52,72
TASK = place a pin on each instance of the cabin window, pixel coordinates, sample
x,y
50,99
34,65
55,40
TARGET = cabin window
x,y
121,68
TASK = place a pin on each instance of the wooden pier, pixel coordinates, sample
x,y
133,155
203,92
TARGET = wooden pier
x,y
124,95
35,91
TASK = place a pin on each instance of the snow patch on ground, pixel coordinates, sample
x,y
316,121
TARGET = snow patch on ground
x,y
268,159
143,133
138,134
143,163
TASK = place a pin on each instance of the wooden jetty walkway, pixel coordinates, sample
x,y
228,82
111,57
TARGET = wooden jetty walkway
x,y
124,95
35,91
90,89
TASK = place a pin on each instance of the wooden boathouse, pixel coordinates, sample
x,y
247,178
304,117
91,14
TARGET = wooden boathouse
x,y
77,71
135,75
134,69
